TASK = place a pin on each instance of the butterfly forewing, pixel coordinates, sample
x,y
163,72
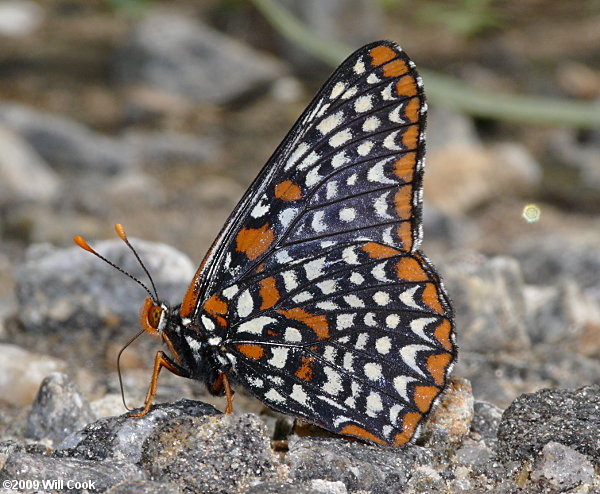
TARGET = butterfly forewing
x,y
358,142
326,308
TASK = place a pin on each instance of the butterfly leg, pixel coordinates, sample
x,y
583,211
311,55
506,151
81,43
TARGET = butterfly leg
x,y
160,361
223,381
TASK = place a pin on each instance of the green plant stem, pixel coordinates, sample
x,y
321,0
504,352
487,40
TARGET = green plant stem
x,y
445,90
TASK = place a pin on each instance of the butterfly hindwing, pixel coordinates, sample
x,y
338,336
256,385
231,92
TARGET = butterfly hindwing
x,y
356,339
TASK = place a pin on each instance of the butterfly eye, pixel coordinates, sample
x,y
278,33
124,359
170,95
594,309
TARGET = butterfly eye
x,y
154,316
150,317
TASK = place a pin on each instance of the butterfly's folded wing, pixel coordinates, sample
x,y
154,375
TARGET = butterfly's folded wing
x,y
325,307
352,165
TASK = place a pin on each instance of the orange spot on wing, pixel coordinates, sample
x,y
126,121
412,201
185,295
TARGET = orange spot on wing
x,y
409,137
395,68
254,241
305,371
268,293
355,430
288,191
409,269
217,308
442,334
403,202
411,110
409,425
378,251
406,86
404,168
437,365
381,54
405,235
318,323
254,352
424,396
431,299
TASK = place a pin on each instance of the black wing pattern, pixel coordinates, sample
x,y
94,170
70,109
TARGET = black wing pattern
x,y
316,287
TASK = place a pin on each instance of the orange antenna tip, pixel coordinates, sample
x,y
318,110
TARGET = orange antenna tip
x,y
121,232
82,243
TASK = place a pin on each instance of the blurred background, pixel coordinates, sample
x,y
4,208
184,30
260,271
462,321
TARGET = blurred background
x,y
159,114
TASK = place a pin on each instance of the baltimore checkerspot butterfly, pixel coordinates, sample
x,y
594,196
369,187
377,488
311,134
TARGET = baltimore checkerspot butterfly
x,y
314,296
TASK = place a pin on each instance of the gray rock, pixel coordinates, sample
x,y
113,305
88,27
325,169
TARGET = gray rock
x,y
562,468
571,418
473,454
489,303
178,54
59,410
65,144
360,467
227,453
22,372
577,259
75,474
60,290
123,436
19,164
167,148
486,420
145,487
560,313
312,487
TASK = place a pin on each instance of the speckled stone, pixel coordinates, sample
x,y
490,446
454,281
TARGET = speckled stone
x,y
221,454
562,468
569,417
124,436
144,487
59,410
40,467
360,467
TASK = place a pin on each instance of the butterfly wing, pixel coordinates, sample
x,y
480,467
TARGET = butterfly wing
x,y
353,161
326,308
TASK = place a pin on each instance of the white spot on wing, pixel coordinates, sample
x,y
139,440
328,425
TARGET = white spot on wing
x,y
373,371
273,395
400,383
256,325
340,138
383,345
371,124
292,335
365,148
363,103
347,215
417,326
317,222
374,405
331,122
407,297
337,90
409,355
245,304
279,357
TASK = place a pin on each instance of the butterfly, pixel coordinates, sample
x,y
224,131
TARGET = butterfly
x,y
314,296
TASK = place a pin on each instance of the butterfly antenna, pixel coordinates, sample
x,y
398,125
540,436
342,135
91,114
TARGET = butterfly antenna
x,y
80,241
121,233
119,367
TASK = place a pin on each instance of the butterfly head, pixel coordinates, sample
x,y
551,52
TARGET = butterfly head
x,y
154,317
